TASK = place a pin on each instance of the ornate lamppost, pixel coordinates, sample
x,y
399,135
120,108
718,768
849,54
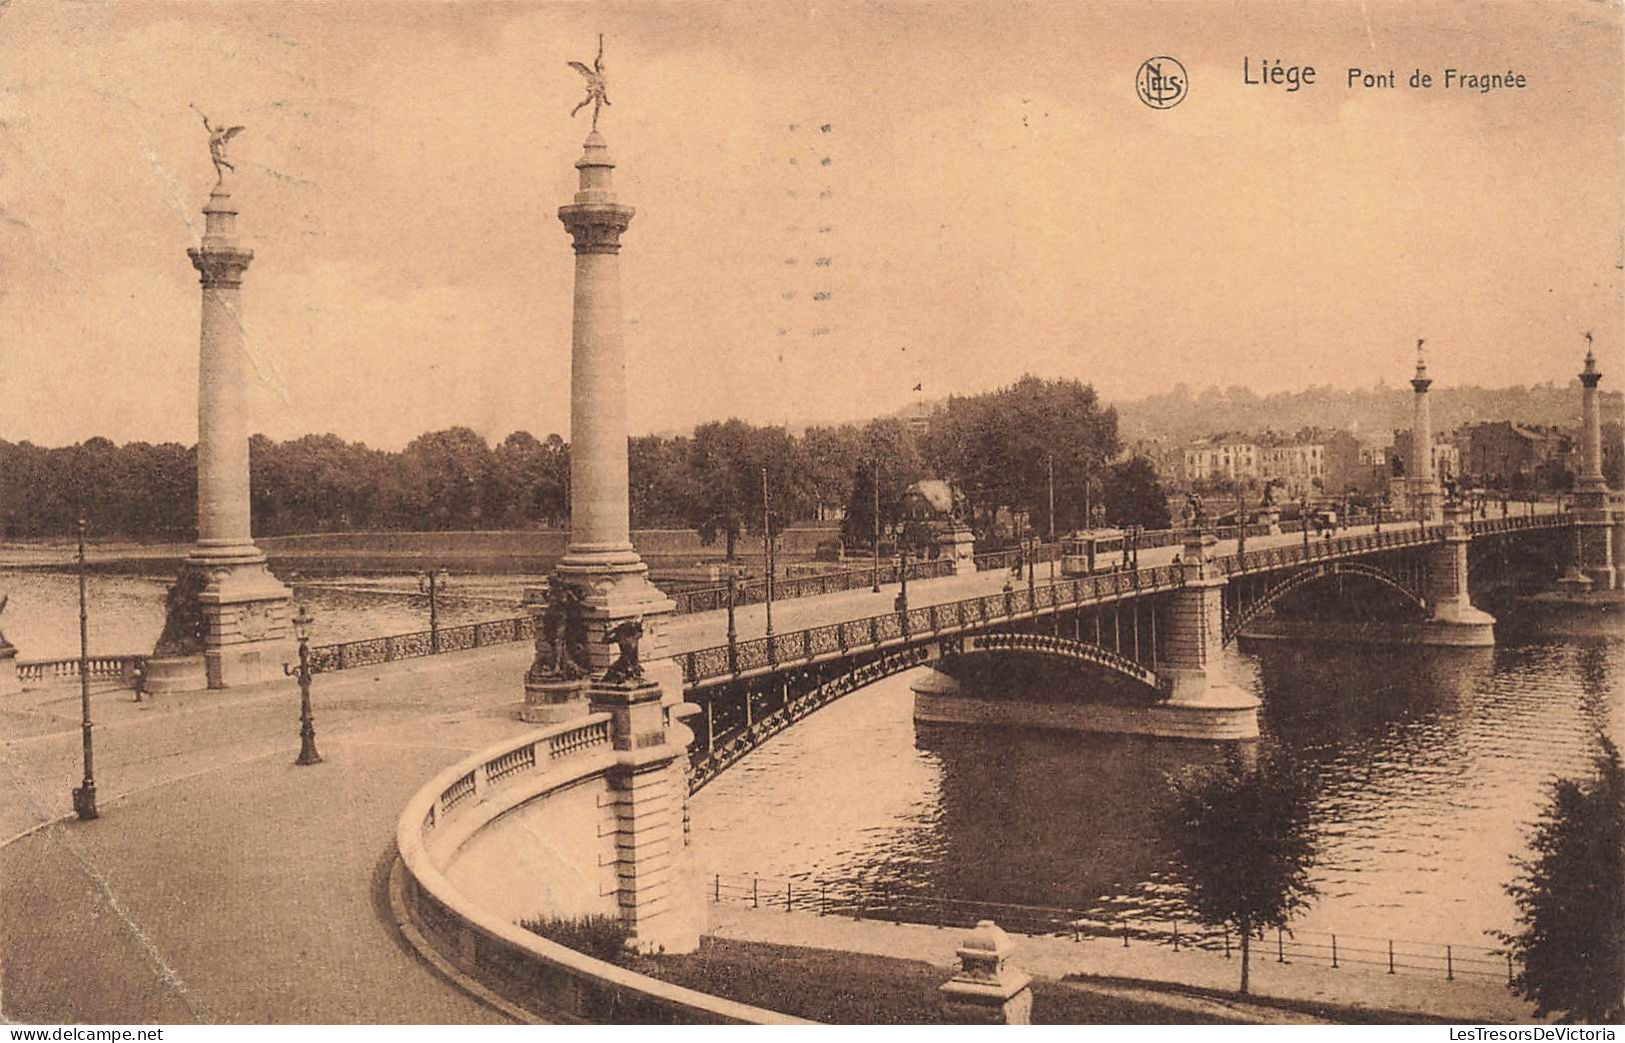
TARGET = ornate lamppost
x,y
1055,548
1303,514
876,474
84,798
733,633
430,583
767,556
307,729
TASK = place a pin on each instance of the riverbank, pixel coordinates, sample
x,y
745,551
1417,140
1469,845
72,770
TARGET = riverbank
x,y
1344,994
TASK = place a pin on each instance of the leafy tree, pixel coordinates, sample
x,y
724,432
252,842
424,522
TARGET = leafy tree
x,y
1134,496
447,472
1242,840
829,456
889,445
1571,900
661,484
727,461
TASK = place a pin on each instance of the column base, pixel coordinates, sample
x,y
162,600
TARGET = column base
x,y
246,637
610,598
553,702
187,673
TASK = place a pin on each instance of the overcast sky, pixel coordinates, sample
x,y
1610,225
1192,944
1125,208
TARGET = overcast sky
x,y
997,200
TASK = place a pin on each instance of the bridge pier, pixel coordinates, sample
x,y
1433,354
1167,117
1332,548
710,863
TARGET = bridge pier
x,y
1453,619
1202,699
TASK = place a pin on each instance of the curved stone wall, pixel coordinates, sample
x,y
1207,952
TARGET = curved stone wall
x,y
459,829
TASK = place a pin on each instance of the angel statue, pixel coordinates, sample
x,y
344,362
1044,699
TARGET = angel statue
x,y
596,96
218,138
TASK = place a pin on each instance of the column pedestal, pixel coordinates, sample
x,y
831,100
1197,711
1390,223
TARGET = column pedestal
x,y
958,544
1270,518
987,990
657,893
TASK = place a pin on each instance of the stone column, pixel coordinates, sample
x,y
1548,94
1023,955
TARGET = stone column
x,y
1453,619
225,589
600,562
1595,535
1422,485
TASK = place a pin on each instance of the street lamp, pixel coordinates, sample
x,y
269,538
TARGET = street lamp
x,y
767,555
1241,520
84,798
902,575
1055,548
875,471
430,583
307,729
733,634
1303,514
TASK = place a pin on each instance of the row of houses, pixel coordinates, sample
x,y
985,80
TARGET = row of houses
x,y
1336,461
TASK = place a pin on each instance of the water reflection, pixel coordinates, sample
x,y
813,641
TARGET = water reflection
x,y
1433,765
127,612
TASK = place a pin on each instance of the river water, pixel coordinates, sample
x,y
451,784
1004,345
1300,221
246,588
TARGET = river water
x,y
1433,764
126,613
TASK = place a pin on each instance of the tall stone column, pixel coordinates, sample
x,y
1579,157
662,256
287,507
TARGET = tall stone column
x,y
1423,485
601,565
1595,522
226,605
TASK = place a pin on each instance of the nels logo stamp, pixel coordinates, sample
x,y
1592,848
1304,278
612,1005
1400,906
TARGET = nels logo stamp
x,y
1162,82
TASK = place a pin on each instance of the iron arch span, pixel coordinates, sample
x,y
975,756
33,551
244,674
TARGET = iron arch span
x,y
1250,609
803,694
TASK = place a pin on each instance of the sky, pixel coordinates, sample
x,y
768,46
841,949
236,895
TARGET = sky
x,y
997,200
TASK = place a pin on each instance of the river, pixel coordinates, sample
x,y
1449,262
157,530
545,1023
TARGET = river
x,y
1433,764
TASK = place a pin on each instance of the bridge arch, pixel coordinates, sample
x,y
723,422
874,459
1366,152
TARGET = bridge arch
x,y
818,692
1249,610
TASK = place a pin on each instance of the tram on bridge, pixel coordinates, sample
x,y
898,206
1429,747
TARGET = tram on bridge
x,y
1089,551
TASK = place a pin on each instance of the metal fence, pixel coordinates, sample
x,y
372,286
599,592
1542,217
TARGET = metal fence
x,y
867,900
374,650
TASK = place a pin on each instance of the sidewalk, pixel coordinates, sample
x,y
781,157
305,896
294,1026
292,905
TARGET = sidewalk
x,y
222,883
1055,958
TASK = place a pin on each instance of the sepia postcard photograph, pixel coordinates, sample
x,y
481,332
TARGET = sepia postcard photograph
x,y
908,512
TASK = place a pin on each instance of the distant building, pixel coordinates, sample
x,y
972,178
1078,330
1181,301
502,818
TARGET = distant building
x,y
1300,468
1502,448
1218,461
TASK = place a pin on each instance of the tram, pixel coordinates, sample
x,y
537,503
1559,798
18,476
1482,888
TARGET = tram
x,y
1093,550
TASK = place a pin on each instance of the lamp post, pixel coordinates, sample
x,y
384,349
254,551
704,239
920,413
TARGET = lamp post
x,y
902,575
84,798
1055,548
733,634
875,471
1241,520
430,582
1303,514
307,729
767,555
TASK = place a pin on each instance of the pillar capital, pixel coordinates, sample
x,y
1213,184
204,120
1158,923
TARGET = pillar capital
x,y
220,268
1589,376
596,227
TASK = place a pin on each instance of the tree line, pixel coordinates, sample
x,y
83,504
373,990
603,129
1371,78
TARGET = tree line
x,y
999,450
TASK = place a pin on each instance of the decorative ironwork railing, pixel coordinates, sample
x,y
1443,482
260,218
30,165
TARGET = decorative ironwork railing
x,y
874,900
833,640
121,668
371,651
754,592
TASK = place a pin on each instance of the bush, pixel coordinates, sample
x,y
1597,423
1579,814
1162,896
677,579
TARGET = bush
x,y
599,936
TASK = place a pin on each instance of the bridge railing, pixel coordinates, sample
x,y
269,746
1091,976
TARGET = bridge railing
x,y
371,651
753,592
120,668
873,900
838,639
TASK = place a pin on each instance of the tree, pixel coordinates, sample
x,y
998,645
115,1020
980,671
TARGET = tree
x,y
1242,841
889,444
1571,900
727,461
1134,496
